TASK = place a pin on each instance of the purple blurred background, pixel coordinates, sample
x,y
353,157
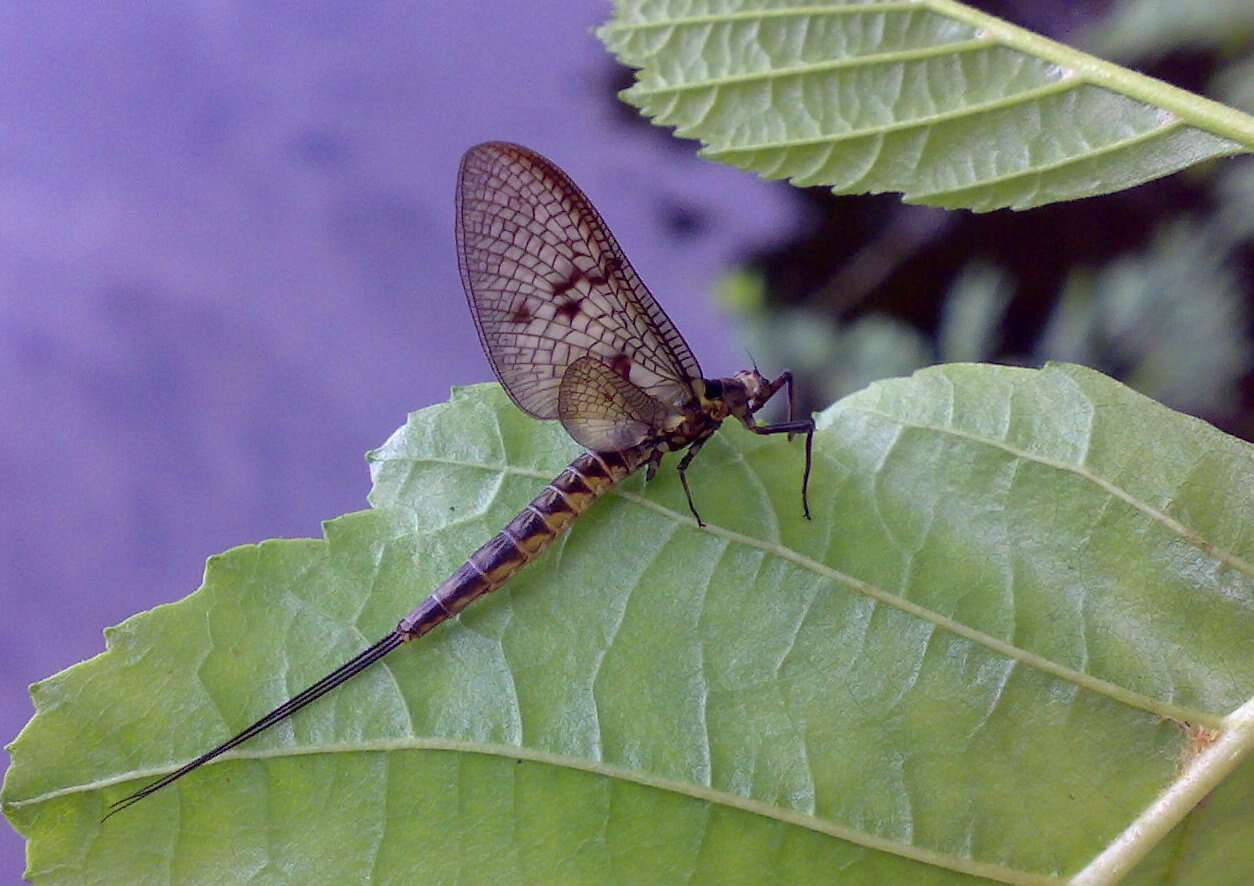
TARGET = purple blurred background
x,y
227,270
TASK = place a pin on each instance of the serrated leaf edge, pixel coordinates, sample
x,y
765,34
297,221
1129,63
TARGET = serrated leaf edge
x,y
1078,69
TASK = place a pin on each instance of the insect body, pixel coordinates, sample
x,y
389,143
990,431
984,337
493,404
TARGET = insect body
x,y
572,334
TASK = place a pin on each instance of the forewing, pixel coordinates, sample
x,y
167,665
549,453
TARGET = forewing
x,y
604,411
548,284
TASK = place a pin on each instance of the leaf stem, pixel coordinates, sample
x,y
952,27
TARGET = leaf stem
x,y
1203,775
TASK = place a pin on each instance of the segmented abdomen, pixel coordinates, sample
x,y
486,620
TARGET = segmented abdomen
x,y
572,492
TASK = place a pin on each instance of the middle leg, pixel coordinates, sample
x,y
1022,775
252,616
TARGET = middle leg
x,y
683,475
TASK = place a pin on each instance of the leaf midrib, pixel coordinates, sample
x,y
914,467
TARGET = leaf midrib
x,y
594,767
1194,783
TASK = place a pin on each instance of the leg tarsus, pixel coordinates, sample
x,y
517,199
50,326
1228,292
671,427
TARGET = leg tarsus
x,y
805,477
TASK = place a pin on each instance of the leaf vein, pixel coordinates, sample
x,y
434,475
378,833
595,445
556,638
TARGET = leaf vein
x,y
1189,535
871,59
1032,659
1110,148
753,15
617,773
1055,87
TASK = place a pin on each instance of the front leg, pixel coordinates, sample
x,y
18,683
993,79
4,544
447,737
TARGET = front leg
x,y
798,426
784,380
789,427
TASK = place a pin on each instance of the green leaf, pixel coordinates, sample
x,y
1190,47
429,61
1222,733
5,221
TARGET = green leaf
x,y
932,98
978,659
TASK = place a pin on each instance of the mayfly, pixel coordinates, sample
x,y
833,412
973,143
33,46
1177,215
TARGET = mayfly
x,y
572,334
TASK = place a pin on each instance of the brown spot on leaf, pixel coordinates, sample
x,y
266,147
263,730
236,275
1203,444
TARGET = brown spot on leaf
x,y
1200,738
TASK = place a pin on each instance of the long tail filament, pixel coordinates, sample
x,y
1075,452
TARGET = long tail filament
x,y
342,674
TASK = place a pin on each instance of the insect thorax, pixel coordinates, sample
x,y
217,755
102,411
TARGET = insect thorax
x,y
725,397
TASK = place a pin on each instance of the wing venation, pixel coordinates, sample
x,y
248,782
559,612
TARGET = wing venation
x,y
604,411
548,284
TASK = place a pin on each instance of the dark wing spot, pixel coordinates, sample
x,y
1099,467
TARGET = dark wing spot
x,y
569,309
522,314
621,364
568,284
